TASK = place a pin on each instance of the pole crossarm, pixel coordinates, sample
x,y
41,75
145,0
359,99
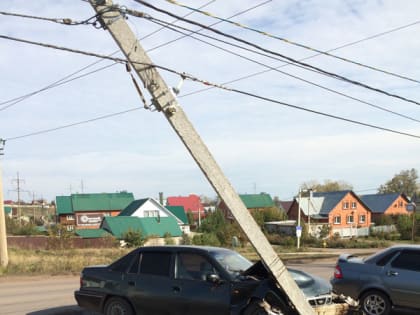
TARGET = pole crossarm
x,y
165,102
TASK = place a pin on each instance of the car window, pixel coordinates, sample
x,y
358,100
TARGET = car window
x,y
384,260
124,262
408,259
135,265
154,263
193,267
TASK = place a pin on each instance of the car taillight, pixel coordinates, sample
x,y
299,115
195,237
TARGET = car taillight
x,y
81,280
338,274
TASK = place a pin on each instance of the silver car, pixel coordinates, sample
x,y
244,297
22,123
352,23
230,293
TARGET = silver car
x,y
386,280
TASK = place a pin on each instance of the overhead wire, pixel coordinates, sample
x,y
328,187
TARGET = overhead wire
x,y
286,73
213,24
254,74
294,61
72,124
205,82
64,21
66,79
288,41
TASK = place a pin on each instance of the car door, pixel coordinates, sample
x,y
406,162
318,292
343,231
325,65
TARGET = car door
x,y
402,278
149,282
193,293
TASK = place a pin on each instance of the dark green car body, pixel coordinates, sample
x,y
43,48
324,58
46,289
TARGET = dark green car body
x,y
180,280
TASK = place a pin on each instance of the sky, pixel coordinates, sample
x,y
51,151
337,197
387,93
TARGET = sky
x,y
261,146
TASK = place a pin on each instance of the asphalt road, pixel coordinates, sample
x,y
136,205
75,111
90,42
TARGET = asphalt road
x,y
53,295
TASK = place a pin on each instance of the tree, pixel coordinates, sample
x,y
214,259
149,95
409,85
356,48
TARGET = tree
x,y
328,185
405,182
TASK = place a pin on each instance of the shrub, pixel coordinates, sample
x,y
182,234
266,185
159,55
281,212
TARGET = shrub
x,y
134,238
209,239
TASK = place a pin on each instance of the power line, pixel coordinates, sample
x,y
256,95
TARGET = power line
x,y
72,124
309,57
64,21
64,79
205,82
227,20
285,73
57,83
213,24
294,61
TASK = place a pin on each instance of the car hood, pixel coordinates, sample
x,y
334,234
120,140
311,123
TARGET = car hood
x,y
311,285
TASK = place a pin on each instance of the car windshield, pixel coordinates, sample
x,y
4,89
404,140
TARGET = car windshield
x,y
231,261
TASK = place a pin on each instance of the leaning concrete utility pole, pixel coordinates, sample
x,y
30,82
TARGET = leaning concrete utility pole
x,y
4,258
164,101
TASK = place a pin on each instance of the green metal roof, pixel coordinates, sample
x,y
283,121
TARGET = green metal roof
x,y
119,225
103,201
93,202
92,233
253,201
160,227
132,207
63,205
179,212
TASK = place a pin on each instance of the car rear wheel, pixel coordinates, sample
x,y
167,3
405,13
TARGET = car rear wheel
x,y
375,303
117,306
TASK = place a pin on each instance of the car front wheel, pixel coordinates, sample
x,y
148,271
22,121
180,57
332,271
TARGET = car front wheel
x,y
117,306
375,303
256,307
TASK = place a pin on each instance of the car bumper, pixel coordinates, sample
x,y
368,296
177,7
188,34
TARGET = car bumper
x,y
346,288
89,300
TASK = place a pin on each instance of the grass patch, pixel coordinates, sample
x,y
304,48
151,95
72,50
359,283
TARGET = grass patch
x,y
54,262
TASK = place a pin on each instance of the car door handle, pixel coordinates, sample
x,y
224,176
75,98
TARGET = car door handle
x,y
392,273
176,289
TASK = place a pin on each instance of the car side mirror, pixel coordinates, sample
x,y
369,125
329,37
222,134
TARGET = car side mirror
x,y
213,278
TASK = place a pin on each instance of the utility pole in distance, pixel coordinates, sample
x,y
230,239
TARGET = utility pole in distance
x,y
165,102
4,257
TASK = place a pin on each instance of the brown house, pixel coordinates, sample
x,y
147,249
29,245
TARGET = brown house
x,y
342,211
386,204
86,211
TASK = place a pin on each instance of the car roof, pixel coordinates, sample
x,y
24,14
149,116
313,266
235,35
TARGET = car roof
x,y
378,255
175,248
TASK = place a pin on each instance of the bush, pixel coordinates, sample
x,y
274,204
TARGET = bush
x,y
209,239
185,240
133,238
168,239
16,227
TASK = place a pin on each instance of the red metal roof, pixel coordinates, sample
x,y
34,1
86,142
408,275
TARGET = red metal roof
x,y
191,203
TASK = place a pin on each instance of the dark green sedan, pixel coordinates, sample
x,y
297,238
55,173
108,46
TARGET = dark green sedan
x,y
181,280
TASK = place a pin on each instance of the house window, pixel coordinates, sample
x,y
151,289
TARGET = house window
x,y
400,204
362,218
337,220
70,228
353,205
70,218
345,205
151,213
350,219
